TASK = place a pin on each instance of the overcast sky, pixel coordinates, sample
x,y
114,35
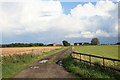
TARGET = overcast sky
x,y
54,21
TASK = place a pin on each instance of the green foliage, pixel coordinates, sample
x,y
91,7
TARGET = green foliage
x,y
65,43
83,70
58,44
95,41
50,45
22,44
15,63
118,43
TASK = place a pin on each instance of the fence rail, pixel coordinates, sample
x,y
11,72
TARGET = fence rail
x,y
94,56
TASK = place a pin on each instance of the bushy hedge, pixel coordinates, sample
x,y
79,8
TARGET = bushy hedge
x,y
65,43
22,45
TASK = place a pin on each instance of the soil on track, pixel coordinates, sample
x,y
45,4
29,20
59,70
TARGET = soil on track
x,y
49,69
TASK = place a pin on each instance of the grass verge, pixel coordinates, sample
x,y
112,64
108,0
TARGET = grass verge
x,y
16,63
84,70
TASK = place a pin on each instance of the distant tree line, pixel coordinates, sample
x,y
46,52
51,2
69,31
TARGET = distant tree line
x,y
50,45
22,45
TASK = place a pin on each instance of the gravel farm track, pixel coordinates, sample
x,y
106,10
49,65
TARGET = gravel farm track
x,y
49,69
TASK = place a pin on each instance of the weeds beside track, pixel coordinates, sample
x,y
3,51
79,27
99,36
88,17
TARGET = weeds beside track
x,y
84,70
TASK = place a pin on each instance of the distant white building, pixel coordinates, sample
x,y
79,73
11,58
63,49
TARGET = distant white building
x,y
81,44
57,44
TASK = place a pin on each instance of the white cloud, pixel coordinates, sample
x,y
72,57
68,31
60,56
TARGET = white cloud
x,y
95,20
26,17
98,33
85,21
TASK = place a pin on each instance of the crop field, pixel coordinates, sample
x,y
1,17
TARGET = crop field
x,y
26,50
110,51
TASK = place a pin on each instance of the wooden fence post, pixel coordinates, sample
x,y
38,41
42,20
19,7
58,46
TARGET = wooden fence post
x,y
33,51
114,63
71,55
103,62
71,49
80,57
90,59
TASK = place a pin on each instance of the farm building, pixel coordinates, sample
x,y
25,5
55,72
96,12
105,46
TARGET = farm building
x,y
57,44
81,44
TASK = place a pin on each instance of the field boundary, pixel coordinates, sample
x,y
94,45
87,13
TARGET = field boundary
x,y
90,60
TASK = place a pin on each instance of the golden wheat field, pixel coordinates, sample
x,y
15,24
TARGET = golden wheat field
x,y
27,50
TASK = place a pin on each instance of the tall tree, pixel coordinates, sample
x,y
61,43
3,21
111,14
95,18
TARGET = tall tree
x,y
95,41
118,43
65,43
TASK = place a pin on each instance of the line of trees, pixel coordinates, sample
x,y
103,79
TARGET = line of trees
x,y
94,41
22,45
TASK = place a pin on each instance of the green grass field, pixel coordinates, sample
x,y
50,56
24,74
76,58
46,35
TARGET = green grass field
x,y
110,51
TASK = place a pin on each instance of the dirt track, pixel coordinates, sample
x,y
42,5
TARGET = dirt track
x,y
50,69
